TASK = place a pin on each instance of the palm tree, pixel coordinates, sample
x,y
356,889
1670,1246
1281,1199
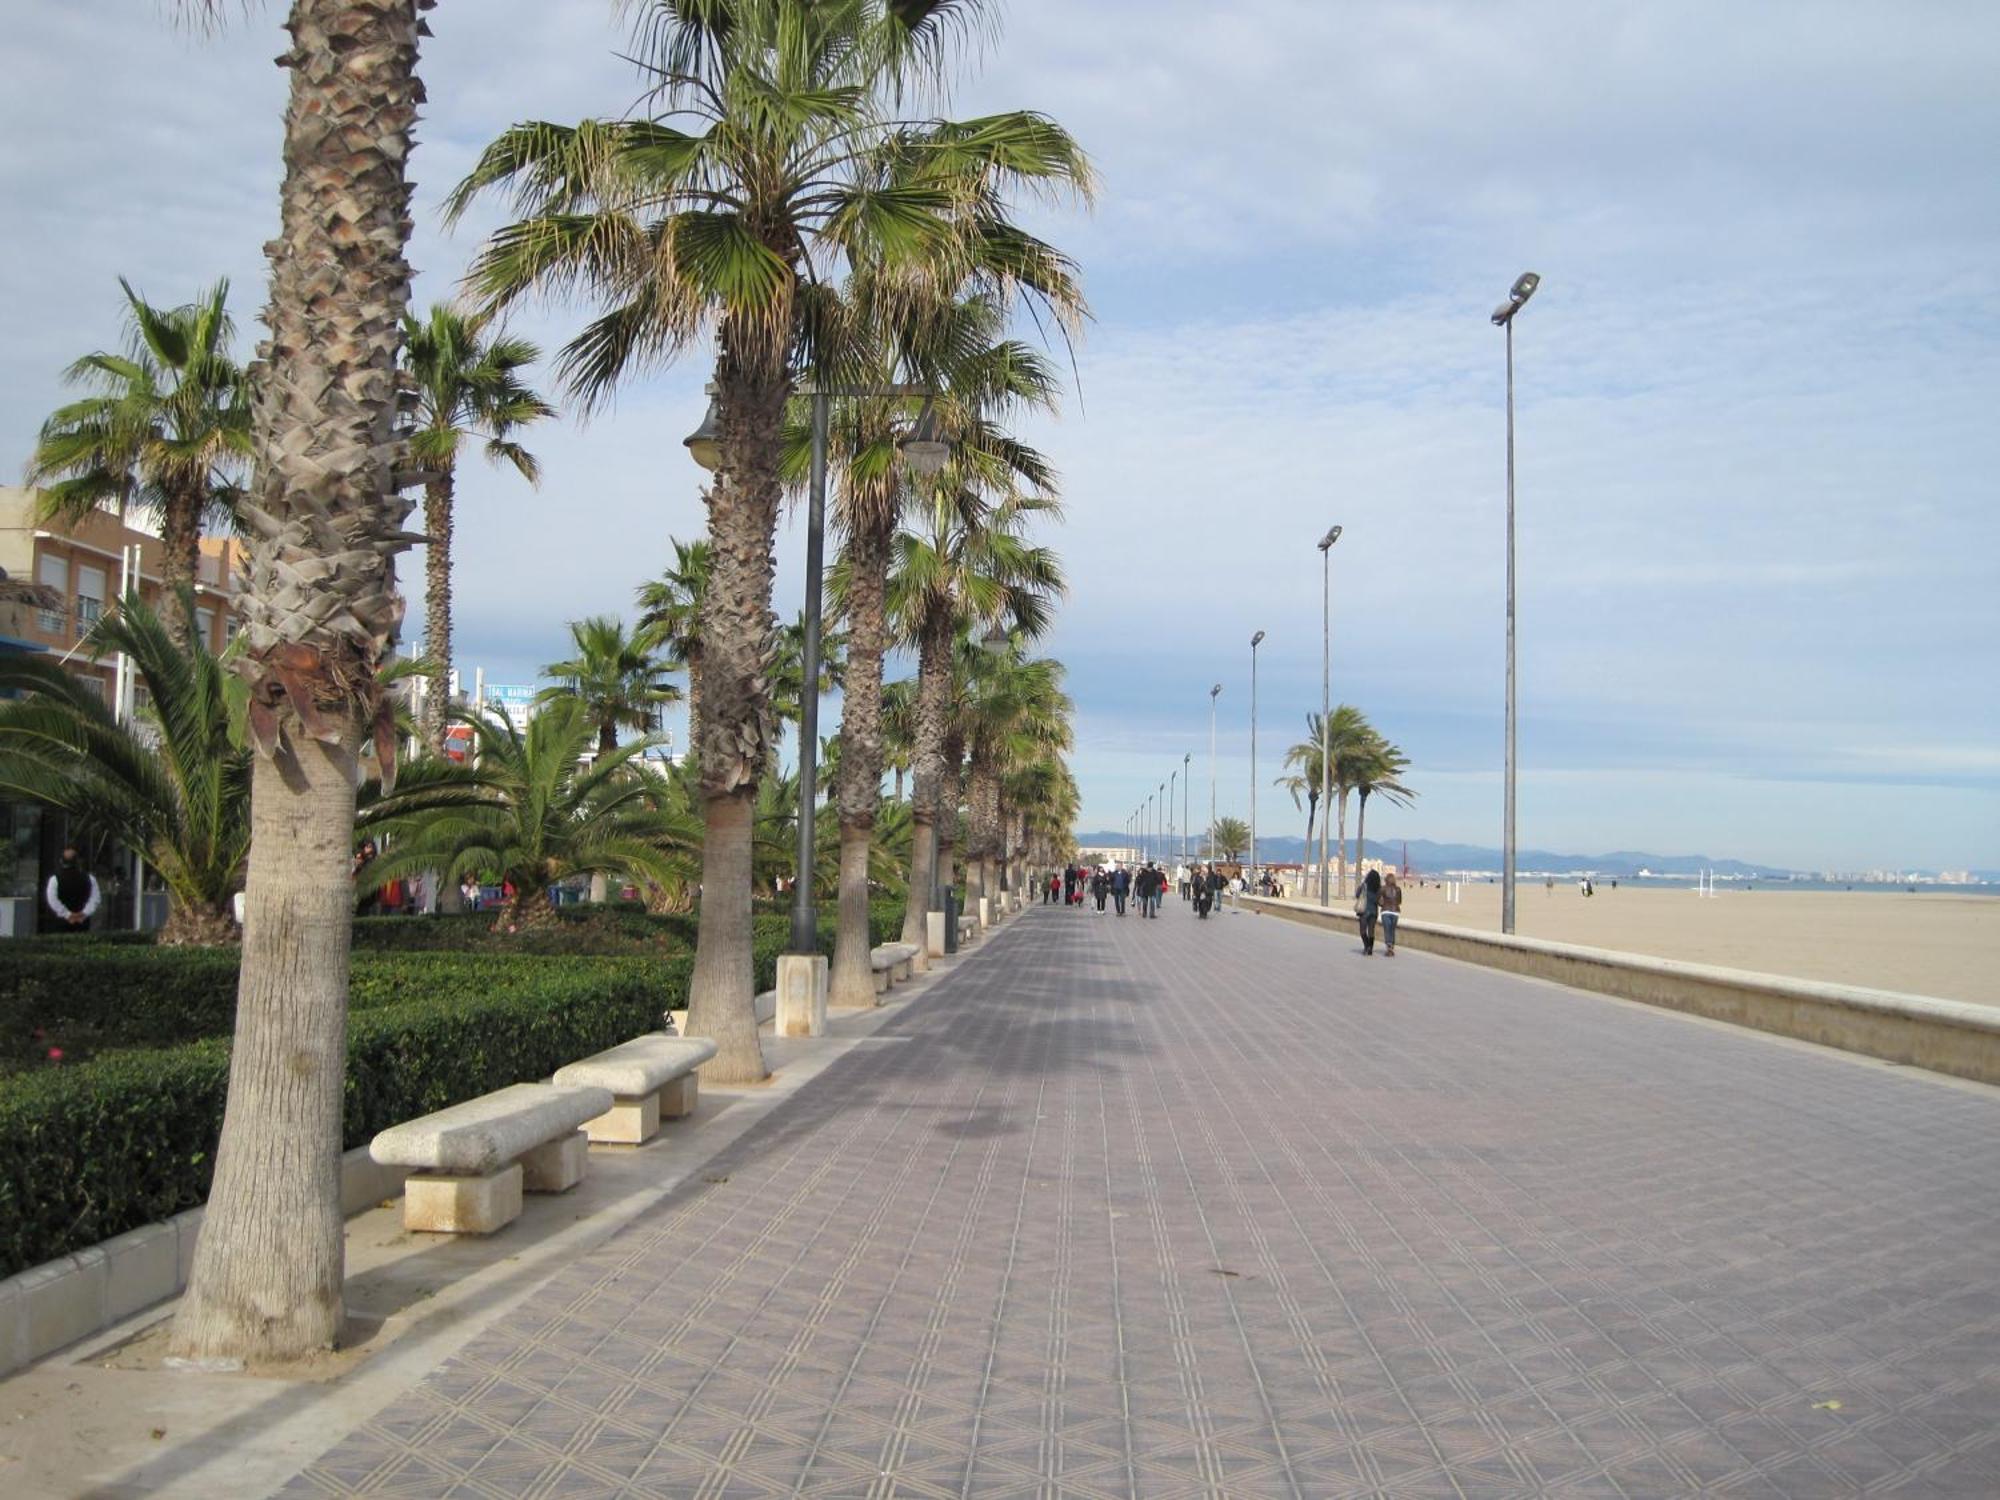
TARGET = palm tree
x,y
175,785
530,812
899,728
167,428
1230,836
955,344
321,611
775,162
671,607
1377,773
1015,713
1342,734
788,668
616,677
467,386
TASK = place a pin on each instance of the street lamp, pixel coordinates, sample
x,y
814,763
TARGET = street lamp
x,y
1503,317
1160,823
926,454
1173,781
1325,699
1255,641
1212,692
1186,761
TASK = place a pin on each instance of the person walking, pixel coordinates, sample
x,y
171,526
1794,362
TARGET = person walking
x,y
1368,906
1145,883
1121,887
1392,912
1100,887
72,893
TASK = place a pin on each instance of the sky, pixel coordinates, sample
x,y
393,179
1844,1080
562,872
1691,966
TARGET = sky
x,y
1758,543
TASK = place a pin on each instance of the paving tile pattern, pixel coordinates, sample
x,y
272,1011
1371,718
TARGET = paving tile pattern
x,y
1181,1208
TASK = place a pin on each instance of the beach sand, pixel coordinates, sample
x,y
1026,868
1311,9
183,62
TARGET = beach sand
x,y
1928,944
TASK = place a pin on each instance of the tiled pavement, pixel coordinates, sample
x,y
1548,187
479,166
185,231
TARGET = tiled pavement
x,y
1222,1208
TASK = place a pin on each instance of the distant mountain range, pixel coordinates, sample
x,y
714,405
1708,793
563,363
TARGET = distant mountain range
x,y
1425,855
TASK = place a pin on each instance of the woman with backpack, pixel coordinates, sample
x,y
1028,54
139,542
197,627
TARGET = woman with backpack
x,y
1367,907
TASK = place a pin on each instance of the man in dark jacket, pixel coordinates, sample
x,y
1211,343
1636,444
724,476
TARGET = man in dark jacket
x,y
1121,887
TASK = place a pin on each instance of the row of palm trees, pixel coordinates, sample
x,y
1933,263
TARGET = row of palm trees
x,y
785,194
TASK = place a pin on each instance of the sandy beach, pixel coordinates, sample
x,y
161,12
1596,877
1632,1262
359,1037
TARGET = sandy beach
x,y
1928,944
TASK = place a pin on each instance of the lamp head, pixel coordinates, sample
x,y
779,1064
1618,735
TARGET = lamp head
x,y
1329,539
704,444
924,449
1256,640
1214,690
1517,298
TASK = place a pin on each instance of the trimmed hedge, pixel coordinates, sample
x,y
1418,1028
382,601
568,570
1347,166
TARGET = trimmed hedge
x,y
93,1149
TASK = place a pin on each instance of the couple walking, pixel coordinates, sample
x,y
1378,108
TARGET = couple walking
x,y
1378,898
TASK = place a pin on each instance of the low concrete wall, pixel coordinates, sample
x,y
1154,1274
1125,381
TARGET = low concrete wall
x,y
51,1306
1947,1036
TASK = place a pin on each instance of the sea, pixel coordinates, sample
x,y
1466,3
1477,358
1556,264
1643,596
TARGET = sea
x,y
1751,883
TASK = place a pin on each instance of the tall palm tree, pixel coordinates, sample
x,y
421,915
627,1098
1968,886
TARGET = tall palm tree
x,y
1015,712
776,161
526,810
174,786
1378,772
670,614
321,613
616,677
1342,734
956,346
963,560
468,385
166,428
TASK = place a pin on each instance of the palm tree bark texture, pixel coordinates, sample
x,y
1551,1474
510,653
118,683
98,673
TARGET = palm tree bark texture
x,y
852,980
927,815
752,386
320,612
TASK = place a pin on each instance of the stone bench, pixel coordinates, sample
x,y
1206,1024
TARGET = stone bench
x,y
892,964
469,1164
651,1078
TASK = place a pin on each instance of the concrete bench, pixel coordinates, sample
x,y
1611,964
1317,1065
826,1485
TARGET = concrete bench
x,y
651,1078
469,1164
891,963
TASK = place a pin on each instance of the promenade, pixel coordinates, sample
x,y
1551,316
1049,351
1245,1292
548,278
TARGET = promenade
x,y
1184,1208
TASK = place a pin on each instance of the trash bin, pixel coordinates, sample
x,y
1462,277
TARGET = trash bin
x,y
951,919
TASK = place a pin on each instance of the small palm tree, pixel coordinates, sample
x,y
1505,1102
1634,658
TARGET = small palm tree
x,y
166,428
616,677
670,617
174,785
1230,837
467,386
1342,734
531,813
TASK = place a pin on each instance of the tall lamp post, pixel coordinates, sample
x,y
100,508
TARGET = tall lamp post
x,y
1212,694
1162,824
1173,782
1186,761
926,453
1255,641
1325,700
1503,317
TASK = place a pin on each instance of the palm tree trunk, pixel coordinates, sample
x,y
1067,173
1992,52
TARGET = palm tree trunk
x,y
320,613
1361,833
737,740
180,558
1340,803
927,772
950,796
859,785
197,926
899,783
437,607
694,700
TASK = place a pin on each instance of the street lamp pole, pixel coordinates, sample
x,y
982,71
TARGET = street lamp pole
x,y
1325,700
1517,298
1173,782
1255,641
1212,692
1186,761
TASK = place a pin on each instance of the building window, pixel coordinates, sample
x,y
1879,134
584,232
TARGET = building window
x,y
89,598
52,572
204,628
